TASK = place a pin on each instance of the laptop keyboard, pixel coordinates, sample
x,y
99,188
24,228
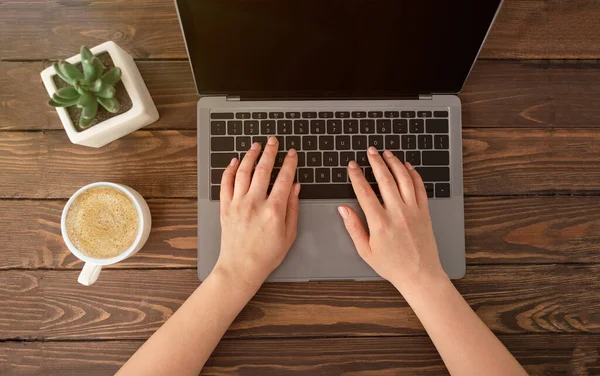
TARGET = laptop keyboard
x,y
327,140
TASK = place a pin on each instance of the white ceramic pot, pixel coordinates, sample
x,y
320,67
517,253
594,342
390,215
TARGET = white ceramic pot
x,y
142,112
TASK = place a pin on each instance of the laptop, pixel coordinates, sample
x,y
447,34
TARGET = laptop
x,y
331,78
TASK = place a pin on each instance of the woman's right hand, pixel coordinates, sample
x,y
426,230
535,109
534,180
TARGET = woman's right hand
x,y
399,245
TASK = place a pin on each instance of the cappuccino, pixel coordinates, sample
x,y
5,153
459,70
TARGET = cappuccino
x,y
102,222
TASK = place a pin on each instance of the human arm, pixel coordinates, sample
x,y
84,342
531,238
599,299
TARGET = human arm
x,y
400,246
257,231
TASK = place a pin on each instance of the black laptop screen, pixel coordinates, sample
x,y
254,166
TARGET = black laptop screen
x,y
333,48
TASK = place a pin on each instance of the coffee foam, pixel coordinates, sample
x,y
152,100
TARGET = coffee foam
x,y
102,222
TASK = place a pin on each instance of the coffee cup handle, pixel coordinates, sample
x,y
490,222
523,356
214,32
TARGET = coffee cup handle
x,y
89,274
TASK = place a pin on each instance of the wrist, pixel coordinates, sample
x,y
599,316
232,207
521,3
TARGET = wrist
x,y
234,279
424,285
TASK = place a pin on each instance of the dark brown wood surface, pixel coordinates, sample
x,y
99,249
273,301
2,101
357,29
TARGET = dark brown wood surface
x,y
531,137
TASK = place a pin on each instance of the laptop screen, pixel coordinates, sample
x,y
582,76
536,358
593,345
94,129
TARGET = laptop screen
x,y
333,48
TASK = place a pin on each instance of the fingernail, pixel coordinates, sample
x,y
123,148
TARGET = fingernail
x,y
255,146
352,164
372,150
233,162
388,153
297,189
292,152
409,166
343,211
272,140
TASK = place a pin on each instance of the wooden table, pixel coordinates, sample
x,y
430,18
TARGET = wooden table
x,y
532,207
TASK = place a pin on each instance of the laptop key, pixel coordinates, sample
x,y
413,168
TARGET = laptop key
x,y
284,126
292,115
276,115
217,128
408,114
350,126
222,143
334,126
313,159
267,127
342,142
359,142
243,115
346,157
326,114
243,144
339,175
441,141
392,114
301,126
416,126
399,154
362,159
392,142
425,141
437,125
234,127
215,192
293,142
216,176
409,142
436,158
309,115
301,159
326,143
259,115
322,175
221,159
424,114
384,126
279,159
413,157
281,141
377,141
430,174
359,114
221,115
306,175
375,114
429,189
369,175
367,126
439,114
317,126
342,114
442,190
400,126
309,143
251,127
262,140
330,158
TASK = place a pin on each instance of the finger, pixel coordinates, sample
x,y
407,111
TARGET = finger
x,y
385,180
244,173
263,169
403,179
364,193
285,179
356,230
291,216
419,186
227,182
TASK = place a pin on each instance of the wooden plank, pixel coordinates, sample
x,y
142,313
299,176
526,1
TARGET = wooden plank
x,y
162,164
498,230
149,29
498,93
132,304
539,354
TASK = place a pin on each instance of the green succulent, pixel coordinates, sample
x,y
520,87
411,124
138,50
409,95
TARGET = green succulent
x,y
88,88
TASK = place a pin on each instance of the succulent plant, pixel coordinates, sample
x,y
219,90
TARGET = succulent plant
x,y
88,88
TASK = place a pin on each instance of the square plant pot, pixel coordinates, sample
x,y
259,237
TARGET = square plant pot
x,y
138,112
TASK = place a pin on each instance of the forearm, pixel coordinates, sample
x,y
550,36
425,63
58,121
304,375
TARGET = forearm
x,y
184,343
465,343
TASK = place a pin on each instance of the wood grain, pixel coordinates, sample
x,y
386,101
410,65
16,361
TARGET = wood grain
x,y
539,354
498,230
161,164
150,29
132,304
497,94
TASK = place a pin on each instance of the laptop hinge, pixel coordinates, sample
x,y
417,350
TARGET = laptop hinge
x,y
233,99
425,96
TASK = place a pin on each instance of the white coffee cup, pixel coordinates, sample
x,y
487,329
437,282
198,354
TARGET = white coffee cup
x,y
91,270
